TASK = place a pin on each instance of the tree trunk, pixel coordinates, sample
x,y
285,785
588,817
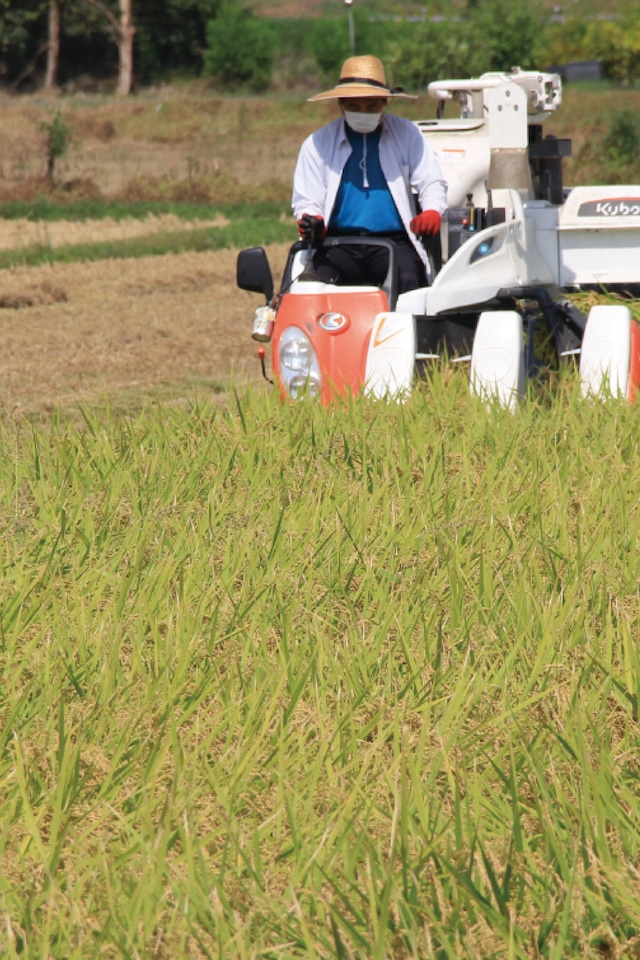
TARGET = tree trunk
x,y
53,50
123,34
125,48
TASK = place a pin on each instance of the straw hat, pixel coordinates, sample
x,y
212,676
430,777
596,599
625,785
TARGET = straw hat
x,y
361,77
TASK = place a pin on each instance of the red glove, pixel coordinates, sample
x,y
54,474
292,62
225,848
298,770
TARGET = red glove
x,y
311,229
426,224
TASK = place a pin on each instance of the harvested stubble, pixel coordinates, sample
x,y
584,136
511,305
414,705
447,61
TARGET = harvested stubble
x,y
91,332
15,234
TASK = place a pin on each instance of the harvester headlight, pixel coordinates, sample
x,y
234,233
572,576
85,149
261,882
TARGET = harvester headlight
x,y
299,367
295,355
303,387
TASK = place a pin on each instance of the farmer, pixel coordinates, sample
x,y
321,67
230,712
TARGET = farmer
x,y
361,174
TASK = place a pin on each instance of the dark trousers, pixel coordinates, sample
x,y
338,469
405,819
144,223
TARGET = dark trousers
x,y
355,264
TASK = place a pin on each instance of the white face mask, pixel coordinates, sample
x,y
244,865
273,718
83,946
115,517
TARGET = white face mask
x,y
362,122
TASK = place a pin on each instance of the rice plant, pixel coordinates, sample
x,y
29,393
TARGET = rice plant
x,y
291,682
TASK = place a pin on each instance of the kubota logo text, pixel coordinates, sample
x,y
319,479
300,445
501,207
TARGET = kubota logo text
x,y
618,207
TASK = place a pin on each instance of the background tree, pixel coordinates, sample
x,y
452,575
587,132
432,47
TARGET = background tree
x,y
511,32
171,37
50,42
617,44
29,29
433,51
125,47
53,49
23,37
240,48
123,31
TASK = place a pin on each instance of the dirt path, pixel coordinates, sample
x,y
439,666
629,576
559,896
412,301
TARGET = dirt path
x,y
119,330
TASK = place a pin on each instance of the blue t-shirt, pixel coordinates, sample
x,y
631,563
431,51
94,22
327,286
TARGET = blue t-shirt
x,y
364,202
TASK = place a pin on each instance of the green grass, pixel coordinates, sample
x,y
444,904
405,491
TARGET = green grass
x,y
286,682
46,209
270,223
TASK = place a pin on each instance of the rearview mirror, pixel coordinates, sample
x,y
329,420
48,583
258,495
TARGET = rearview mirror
x,y
254,273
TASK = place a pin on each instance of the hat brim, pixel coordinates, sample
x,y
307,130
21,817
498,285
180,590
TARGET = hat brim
x,y
352,90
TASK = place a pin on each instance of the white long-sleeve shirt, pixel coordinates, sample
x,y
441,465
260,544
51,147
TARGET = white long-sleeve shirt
x,y
407,161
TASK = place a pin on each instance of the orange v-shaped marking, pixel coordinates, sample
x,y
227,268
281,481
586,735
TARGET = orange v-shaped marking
x,y
378,340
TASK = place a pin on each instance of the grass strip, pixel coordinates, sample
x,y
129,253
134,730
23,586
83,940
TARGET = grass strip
x,y
241,233
90,209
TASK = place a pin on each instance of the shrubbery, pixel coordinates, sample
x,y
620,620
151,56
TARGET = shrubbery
x,y
57,136
493,36
485,35
615,42
612,156
240,49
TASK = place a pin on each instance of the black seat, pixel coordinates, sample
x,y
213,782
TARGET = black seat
x,y
390,283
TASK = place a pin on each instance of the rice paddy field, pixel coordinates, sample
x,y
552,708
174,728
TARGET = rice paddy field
x,y
293,682
280,682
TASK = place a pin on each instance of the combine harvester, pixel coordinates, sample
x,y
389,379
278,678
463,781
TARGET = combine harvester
x,y
514,245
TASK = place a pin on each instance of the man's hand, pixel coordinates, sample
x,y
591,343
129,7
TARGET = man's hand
x,y
426,224
311,229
